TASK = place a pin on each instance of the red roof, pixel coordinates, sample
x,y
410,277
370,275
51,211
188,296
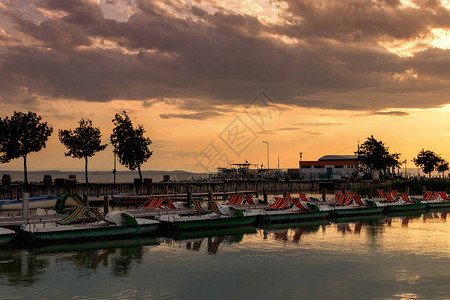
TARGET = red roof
x,y
329,163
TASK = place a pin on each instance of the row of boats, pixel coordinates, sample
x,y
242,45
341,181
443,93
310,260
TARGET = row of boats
x,y
83,222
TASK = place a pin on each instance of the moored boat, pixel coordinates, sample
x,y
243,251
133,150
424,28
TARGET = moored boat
x,y
435,199
402,203
299,211
220,216
6,235
349,205
43,201
115,224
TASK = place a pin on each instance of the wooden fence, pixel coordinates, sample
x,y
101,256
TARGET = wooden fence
x,y
14,191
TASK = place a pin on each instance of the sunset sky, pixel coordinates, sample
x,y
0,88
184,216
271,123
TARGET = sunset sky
x,y
210,80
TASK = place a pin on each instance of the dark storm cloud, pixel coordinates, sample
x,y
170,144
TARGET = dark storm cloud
x,y
350,20
170,50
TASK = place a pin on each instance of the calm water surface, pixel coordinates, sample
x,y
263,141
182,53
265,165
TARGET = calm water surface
x,y
403,257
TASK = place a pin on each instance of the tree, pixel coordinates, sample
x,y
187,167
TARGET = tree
x,y
21,135
130,145
427,160
83,142
442,167
375,155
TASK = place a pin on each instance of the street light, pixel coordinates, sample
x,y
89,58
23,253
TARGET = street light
x,y
268,166
406,164
300,167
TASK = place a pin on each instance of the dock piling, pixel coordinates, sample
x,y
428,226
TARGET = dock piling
x,y
106,204
25,205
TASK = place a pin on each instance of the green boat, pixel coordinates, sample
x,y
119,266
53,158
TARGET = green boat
x,y
116,224
178,222
6,235
433,204
223,216
336,211
399,207
355,212
276,216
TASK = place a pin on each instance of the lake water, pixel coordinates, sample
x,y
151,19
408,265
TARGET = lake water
x,y
405,257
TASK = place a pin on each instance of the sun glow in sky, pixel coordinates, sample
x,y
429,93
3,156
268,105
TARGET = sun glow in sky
x,y
336,71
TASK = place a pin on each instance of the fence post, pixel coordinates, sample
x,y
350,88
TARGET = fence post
x,y
106,204
25,205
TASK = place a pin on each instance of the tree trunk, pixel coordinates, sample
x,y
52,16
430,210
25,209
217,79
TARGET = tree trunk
x,y
86,169
140,173
25,173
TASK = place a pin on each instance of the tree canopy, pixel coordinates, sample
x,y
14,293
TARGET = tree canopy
x,y
374,155
22,134
442,167
130,145
428,161
83,142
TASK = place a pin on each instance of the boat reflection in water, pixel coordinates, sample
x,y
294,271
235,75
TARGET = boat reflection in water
x,y
208,240
24,267
292,232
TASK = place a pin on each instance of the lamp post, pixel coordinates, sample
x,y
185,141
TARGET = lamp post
x,y
268,166
300,167
114,170
406,163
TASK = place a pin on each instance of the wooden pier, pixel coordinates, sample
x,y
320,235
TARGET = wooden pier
x,y
14,191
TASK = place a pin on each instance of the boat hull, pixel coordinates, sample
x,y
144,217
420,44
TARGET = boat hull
x,y
33,204
5,239
354,212
6,235
105,232
291,217
405,207
205,223
437,204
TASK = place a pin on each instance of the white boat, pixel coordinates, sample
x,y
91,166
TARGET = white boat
x,y
36,202
115,224
221,216
6,235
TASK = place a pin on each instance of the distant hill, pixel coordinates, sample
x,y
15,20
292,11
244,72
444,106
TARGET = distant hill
x,y
104,176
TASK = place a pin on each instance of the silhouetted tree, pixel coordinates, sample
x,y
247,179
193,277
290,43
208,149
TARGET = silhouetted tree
x,y
130,145
21,135
442,167
427,160
83,142
375,155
